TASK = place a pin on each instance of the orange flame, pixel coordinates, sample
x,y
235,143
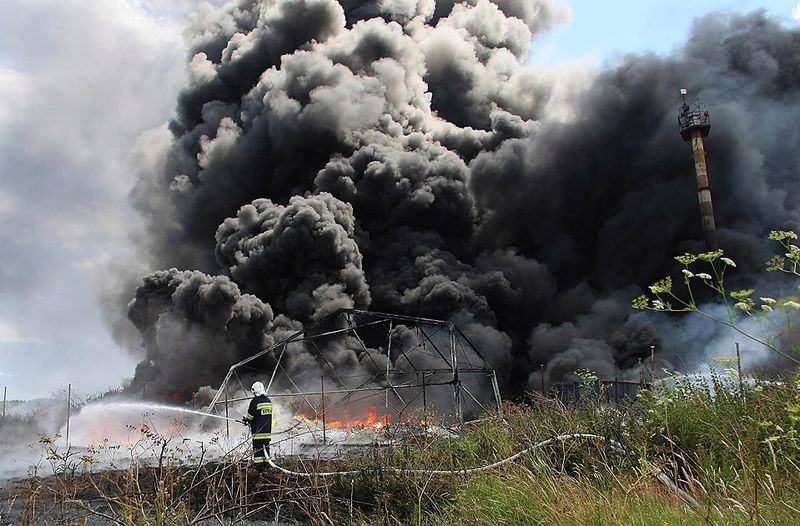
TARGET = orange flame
x,y
373,421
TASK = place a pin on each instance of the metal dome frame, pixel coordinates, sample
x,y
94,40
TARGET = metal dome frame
x,y
458,363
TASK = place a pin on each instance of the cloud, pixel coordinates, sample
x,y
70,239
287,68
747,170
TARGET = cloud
x,y
74,100
11,335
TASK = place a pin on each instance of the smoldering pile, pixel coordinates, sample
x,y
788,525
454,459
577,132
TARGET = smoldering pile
x,y
402,156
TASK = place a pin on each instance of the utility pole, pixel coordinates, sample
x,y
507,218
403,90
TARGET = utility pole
x,y
5,392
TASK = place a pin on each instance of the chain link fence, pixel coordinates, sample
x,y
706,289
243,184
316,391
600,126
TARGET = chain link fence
x,y
737,364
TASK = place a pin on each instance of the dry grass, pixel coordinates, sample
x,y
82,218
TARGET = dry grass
x,y
735,452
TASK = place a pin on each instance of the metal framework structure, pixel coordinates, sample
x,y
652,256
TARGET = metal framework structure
x,y
400,369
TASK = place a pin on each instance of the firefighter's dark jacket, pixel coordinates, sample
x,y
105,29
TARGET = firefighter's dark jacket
x,y
259,414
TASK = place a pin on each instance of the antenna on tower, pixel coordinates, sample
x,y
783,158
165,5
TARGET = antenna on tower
x,y
694,124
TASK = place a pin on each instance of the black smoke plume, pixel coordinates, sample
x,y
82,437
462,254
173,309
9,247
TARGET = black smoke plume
x,y
402,156
315,234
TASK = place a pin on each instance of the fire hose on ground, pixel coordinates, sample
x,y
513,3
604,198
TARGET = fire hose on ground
x,y
658,473
655,471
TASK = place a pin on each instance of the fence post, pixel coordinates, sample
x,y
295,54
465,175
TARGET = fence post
x,y
5,391
541,377
227,422
424,398
456,380
388,365
69,404
652,364
641,373
495,389
739,370
322,396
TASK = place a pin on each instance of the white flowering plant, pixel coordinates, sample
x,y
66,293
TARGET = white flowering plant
x,y
773,316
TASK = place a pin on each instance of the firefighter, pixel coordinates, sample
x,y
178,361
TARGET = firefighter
x,y
259,418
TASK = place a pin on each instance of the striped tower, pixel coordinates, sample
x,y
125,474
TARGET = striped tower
x,y
695,125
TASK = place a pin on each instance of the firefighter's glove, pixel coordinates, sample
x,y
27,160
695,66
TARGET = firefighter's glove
x,y
245,421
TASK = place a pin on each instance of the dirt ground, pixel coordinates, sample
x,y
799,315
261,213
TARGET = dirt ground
x,y
16,508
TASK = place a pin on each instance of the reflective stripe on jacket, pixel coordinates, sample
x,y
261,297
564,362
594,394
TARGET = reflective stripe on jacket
x,y
259,413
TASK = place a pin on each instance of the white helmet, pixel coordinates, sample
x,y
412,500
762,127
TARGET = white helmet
x,y
258,389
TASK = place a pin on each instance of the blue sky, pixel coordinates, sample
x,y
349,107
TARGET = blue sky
x,y
602,31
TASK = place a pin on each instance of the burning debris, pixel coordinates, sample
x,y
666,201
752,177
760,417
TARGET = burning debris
x,y
404,156
348,423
